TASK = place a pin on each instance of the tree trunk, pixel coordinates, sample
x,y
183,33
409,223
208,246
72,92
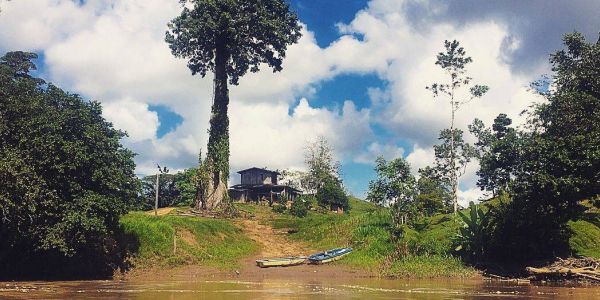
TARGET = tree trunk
x,y
454,175
218,141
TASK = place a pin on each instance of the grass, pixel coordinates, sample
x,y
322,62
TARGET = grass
x,y
428,266
367,229
585,239
200,241
422,251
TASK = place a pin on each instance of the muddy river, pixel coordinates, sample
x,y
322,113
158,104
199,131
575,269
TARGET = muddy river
x,y
286,289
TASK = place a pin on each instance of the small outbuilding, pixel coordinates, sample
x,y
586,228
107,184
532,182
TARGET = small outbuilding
x,y
259,184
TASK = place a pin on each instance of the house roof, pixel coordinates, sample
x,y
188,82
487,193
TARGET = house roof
x,y
259,169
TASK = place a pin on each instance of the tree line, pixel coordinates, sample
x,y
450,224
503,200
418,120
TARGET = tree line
x,y
541,175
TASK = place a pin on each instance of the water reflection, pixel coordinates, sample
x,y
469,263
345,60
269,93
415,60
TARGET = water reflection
x,y
286,289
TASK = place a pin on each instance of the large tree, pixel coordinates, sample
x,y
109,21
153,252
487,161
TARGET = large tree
x,y
322,166
559,160
65,178
434,194
454,62
229,38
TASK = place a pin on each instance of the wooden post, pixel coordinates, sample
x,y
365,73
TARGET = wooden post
x,y
156,192
175,242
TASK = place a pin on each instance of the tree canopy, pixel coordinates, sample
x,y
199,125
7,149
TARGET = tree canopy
x,y
251,33
395,187
559,159
65,176
498,153
322,166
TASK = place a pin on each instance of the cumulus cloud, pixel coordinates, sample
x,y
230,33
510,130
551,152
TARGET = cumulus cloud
x,y
535,25
420,158
115,53
406,106
375,150
133,117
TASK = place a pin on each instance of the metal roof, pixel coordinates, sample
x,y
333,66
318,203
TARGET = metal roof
x,y
261,169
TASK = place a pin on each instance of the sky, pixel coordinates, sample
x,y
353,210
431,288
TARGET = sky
x,y
357,76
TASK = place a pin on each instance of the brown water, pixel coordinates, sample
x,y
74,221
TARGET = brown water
x,y
285,289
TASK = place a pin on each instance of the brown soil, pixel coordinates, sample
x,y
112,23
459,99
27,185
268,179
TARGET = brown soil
x,y
161,211
187,236
273,244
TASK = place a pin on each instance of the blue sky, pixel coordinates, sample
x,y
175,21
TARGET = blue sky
x,y
357,77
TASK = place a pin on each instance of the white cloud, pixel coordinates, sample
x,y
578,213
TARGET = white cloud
x,y
420,158
375,150
266,135
133,117
472,194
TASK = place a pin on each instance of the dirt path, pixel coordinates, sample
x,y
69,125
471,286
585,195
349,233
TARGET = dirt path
x,y
273,243
161,211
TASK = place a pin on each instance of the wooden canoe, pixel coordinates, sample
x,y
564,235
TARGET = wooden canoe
x,y
281,261
329,255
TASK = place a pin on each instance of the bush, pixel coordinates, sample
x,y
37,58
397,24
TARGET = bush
x,y
473,239
331,195
279,208
299,208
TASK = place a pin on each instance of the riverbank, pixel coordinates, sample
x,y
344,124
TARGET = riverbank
x,y
213,248
227,248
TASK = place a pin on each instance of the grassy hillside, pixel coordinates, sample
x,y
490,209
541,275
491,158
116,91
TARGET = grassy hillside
x,y
585,239
368,228
420,252
202,241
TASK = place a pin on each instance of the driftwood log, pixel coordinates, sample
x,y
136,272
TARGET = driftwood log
x,y
587,268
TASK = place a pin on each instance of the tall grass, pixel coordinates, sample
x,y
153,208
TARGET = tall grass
x,y
428,266
585,238
198,241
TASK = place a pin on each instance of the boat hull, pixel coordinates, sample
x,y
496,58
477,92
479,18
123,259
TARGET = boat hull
x,y
329,256
280,262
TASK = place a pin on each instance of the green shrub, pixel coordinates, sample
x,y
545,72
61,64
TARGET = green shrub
x,y
472,239
331,195
279,208
299,208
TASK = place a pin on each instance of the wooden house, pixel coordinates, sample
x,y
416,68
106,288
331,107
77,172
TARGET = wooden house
x,y
259,184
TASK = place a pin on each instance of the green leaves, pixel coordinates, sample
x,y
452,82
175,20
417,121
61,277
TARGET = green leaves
x,y
473,237
251,33
395,187
558,158
66,177
452,154
332,195
498,152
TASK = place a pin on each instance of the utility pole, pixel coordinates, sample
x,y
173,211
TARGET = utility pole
x,y
157,189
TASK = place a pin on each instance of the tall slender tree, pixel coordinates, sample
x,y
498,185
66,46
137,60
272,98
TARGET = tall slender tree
x,y
229,38
454,62
452,156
